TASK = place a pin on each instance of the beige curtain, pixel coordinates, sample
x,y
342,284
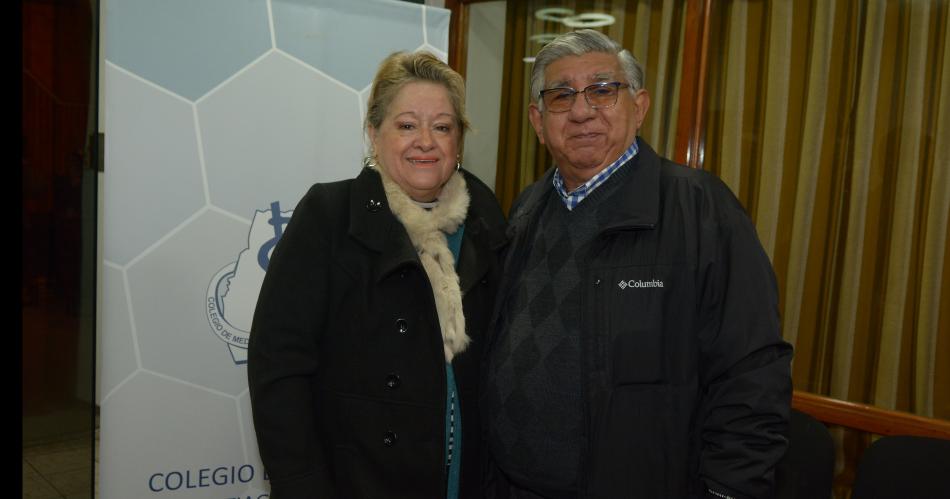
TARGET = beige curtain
x,y
651,29
831,121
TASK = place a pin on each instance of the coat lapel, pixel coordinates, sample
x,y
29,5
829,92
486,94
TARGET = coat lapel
x,y
373,224
480,245
640,205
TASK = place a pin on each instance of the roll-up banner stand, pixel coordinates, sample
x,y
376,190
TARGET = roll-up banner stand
x,y
219,115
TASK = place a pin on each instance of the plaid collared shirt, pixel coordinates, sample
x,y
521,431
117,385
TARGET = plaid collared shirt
x,y
574,198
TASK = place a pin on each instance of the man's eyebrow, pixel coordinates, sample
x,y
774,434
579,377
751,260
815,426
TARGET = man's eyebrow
x,y
604,76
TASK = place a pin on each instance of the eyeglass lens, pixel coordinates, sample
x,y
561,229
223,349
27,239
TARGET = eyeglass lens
x,y
598,95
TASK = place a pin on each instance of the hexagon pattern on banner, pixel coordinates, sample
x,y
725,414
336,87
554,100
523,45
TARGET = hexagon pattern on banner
x,y
277,117
154,178
163,438
186,46
218,117
116,343
437,29
168,289
346,39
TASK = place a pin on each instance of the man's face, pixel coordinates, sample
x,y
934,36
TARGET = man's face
x,y
582,140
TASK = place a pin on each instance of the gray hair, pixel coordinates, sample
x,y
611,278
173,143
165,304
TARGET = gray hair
x,y
583,42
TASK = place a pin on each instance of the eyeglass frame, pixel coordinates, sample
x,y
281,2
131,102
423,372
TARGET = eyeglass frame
x,y
601,84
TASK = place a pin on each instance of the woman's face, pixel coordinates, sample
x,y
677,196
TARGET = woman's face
x,y
417,142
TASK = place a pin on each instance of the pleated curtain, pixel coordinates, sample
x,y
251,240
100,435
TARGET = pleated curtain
x,y
831,121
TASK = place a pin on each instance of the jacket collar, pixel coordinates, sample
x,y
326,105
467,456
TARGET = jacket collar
x,y
638,208
482,241
374,225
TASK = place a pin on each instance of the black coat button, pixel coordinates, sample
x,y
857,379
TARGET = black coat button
x,y
393,381
402,326
389,439
374,205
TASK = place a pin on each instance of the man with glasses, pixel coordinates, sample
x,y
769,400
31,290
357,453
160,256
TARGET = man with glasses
x,y
635,348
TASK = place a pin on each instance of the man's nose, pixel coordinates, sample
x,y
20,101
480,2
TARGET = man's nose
x,y
580,109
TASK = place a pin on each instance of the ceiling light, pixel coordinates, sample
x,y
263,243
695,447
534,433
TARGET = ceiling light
x,y
555,14
589,20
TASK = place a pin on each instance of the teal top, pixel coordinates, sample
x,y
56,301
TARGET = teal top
x,y
453,415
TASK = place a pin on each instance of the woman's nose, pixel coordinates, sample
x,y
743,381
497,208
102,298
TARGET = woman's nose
x,y
425,138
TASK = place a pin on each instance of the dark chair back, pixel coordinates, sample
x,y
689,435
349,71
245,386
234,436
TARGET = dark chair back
x,y
904,467
807,469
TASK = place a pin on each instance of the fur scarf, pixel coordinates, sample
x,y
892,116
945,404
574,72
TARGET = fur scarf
x,y
427,230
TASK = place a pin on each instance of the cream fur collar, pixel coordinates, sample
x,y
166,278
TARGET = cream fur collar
x,y
427,229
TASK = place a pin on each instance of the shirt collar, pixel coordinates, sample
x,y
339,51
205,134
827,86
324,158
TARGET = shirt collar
x,y
573,198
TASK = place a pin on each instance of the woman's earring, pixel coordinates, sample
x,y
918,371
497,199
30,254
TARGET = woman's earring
x,y
458,165
370,162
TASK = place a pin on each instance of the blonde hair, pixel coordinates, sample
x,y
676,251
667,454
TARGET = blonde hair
x,y
400,68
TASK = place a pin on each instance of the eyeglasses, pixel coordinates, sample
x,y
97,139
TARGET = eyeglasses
x,y
600,95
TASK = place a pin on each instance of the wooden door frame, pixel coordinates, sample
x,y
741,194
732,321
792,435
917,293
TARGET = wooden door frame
x,y
458,33
690,126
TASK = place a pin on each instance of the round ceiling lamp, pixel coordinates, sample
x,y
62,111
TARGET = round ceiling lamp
x,y
554,14
589,20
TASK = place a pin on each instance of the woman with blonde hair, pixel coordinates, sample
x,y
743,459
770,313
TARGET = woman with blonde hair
x,y
368,332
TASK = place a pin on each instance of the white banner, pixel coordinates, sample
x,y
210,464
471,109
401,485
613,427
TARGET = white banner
x,y
218,117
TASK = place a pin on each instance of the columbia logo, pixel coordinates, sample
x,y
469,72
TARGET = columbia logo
x,y
636,283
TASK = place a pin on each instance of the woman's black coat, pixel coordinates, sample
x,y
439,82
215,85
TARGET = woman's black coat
x,y
346,367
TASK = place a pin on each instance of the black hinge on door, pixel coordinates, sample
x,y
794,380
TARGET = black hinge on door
x,y
97,149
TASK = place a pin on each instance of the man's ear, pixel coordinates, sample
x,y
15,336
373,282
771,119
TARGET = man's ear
x,y
641,102
534,114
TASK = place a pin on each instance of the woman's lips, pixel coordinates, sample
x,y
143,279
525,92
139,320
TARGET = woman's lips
x,y
423,161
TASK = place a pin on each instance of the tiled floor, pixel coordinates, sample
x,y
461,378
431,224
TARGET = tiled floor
x,y
60,469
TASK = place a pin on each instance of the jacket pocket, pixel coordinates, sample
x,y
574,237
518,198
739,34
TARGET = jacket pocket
x,y
641,449
634,307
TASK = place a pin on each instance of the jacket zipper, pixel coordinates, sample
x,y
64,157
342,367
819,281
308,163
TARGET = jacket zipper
x,y
719,494
590,355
